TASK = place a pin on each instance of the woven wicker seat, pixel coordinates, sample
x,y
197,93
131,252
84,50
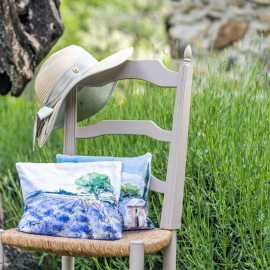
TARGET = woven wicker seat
x,y
154,240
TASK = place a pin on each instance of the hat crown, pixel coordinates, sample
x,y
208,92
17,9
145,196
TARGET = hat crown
x,y
56,65
64,71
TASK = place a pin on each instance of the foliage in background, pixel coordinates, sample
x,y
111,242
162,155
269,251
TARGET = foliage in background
x,y
103,27
225,222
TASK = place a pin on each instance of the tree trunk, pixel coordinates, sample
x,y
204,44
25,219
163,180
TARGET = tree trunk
x,y
28,30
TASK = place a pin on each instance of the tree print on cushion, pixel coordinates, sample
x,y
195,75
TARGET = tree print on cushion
x,y
97,184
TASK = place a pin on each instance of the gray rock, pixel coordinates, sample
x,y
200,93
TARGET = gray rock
x,y
216,24
191,18
183,34
230,32
262,2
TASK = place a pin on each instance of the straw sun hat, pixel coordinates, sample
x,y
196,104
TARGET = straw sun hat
x,y
62,72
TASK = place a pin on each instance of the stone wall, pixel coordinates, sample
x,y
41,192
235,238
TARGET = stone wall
x,y
218,24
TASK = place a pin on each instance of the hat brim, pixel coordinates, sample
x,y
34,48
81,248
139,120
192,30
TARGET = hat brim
x,y
90,99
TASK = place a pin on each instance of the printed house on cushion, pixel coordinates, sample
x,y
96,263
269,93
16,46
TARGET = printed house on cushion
x,y
133,206
136,215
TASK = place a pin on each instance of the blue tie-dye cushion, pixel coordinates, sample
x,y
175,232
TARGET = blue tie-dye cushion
x,y
134,187
82,204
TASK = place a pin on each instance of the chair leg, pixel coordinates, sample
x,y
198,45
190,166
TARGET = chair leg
x,y
67,263
169,261
136,255
1,251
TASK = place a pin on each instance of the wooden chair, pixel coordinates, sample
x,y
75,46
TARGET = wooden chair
x,y
133,244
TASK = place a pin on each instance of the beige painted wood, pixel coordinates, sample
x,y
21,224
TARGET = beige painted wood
x,y
169,261
155,72
70,149
157,185
136,255
68,263
131,127
173,198
2,255
70,123
173,188
149,70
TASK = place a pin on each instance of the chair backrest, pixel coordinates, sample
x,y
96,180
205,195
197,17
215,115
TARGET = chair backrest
x,y
155,72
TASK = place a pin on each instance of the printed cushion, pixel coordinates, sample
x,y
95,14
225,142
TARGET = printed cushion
x,y
71,200
134,187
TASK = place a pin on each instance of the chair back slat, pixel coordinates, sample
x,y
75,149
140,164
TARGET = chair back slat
x,y
148,70
128,127
157,185
70,123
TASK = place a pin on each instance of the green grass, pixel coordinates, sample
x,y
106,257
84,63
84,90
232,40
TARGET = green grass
x,y
225,223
